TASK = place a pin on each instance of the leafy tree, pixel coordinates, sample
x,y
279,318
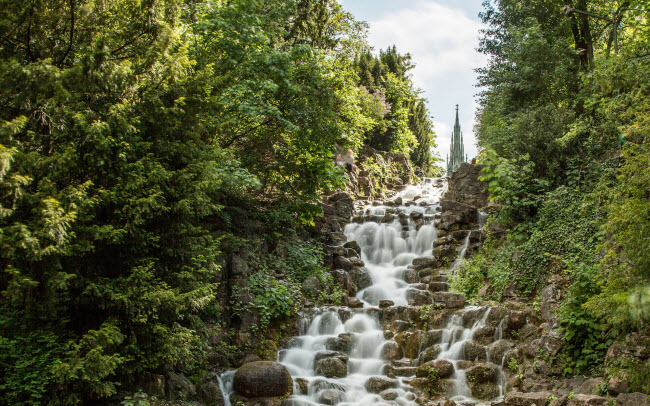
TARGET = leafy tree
x,y
420,125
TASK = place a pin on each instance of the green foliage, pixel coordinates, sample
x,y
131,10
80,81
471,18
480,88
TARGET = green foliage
x,y
566,231
637,374
625,277
493,264
273,300
401,122
585,338
433,378
130,134
26,364
138,399
512,184
513,364
420,125
564,142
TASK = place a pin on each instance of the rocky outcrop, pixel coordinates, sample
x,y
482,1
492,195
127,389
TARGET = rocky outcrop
x,y
337,210
263,379
465,186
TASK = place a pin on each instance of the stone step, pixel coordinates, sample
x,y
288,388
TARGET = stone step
x,y
417,297
424,262
419,286
402,363
449,300
404,372
439,287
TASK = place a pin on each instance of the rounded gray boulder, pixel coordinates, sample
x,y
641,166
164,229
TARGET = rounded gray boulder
x,y
263,379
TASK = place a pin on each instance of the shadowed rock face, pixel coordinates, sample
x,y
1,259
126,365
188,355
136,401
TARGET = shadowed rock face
x,y
263,379
465,186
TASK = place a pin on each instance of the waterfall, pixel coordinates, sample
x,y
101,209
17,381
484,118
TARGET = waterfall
x,y
341,352
390,239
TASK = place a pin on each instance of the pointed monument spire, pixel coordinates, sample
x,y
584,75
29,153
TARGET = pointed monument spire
x,y
457,148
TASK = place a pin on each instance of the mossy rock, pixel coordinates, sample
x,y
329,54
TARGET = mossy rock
x,y
484,391
262,379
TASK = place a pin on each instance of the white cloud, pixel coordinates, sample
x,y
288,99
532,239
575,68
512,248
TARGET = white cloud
x,y
442,41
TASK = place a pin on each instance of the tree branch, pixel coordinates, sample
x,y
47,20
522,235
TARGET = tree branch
x,y
65,55
243,134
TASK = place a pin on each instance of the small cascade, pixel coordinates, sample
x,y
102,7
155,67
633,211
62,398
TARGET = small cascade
x,y
225,386
342,355
340,350
461,255
455,338
482,219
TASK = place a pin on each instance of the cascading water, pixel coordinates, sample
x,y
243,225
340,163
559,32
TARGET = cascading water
x,y
338,358
455,338
390,238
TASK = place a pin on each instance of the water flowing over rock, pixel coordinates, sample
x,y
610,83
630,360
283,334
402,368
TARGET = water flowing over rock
x,y
403,338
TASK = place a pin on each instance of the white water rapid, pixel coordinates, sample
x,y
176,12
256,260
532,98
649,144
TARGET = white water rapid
x,y
339,358
398,234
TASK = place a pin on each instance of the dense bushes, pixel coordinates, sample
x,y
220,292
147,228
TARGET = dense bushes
x,y
564,140
135,139
131,133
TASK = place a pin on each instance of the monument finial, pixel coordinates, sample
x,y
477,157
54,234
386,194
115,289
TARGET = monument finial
x,y
456,107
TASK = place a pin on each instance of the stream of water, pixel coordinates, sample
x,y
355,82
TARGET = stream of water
x,y
390,237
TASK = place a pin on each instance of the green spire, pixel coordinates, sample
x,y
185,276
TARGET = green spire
x,y
457,149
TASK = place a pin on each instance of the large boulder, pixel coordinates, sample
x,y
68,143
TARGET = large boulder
x,y
429,354
443,369
484,335
409,342
485,390
430,337
633,399
354,246
342,279
544,345
513,322
617,386
331,368
449,300
482,373
341,343
180,387
263,379
424,262
474,352
361,277
457,216
391,351
497,350
417,297
330,397
378,384
210,394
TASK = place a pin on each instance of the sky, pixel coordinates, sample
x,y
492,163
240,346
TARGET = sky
x,y
442,37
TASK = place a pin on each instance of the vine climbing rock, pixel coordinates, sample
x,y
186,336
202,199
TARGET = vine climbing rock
x,y
263,379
